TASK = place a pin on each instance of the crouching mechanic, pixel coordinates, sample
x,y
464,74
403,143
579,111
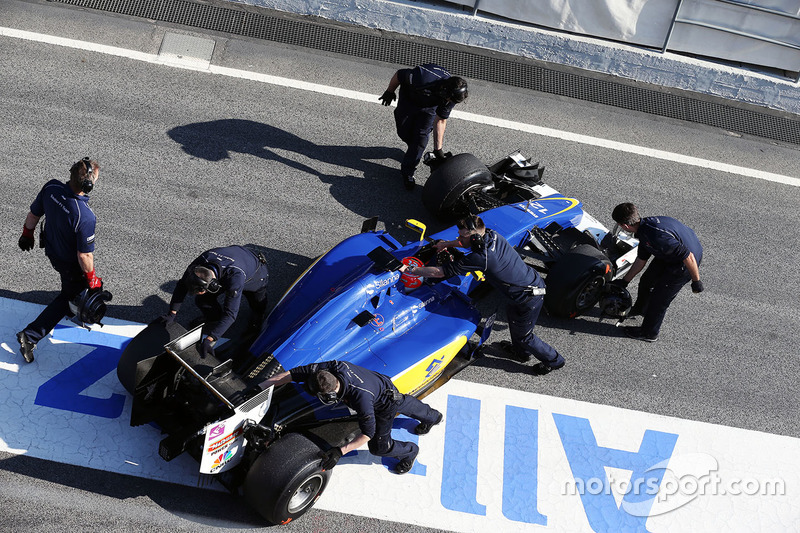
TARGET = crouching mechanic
x,y
508,273
376,401
427,96
68,243
232,271
676,253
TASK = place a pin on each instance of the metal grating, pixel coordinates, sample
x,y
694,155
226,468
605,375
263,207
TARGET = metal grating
x,y
510,71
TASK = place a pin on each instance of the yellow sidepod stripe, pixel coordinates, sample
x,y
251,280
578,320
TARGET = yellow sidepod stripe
x,y
427,370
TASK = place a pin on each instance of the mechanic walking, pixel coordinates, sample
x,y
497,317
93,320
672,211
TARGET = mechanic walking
x,y
508,273
676,254
428,94
233,271
376,401
68,243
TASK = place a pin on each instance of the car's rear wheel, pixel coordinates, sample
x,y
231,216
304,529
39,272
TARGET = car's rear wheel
x,y
286,479
148,343
575,282
446,187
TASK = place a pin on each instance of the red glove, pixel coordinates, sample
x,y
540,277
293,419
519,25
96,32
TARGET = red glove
x,y
95,282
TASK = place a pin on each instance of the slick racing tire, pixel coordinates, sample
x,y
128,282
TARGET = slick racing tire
x,y
147,344
448,184
575,282
286,479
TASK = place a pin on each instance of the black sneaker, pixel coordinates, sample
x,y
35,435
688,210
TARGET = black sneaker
x,y
635,332
424,427
511,352
409,182
404,466
26,347
542,369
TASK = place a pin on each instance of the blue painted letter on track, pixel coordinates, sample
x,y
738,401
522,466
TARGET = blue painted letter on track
x,y
587,461
521,466
460,466
63,391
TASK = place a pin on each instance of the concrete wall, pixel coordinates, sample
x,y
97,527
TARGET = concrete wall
x,y
443,23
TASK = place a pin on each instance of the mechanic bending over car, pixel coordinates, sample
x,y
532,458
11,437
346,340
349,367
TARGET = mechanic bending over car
x,y
428,94
507,272
232,271
68,243
676,254
376,401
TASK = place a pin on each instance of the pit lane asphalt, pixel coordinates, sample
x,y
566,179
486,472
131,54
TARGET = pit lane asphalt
x,y
192,160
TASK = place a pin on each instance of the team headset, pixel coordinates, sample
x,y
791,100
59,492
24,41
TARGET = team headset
x,y
86,184
213,285
476,242
327,398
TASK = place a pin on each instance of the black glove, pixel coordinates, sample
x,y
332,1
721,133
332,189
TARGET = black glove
x,y
697,286
331,457
26,241
387,97
620,283
205,347
167,319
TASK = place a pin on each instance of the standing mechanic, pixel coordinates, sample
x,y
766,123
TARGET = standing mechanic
x,y
233,270
68,243
376,401
676,254
507,272
428,94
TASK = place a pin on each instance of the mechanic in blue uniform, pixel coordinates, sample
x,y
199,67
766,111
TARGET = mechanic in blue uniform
x,y
428,94
376,401
676,253
232,271
508,273
68,243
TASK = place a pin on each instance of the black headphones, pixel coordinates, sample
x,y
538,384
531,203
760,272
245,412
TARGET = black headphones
x,y
327,398
476,242
87,184
213,285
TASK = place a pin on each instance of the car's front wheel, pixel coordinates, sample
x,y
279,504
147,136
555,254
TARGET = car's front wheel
x,y
286,479
447,186
575,282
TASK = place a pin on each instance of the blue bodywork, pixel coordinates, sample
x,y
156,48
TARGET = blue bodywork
x,y
316,320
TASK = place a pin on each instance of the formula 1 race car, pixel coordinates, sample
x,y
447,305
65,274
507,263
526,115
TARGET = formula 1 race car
x,y
354,304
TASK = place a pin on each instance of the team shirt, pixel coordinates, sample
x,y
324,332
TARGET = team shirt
x,y
70,223
364,391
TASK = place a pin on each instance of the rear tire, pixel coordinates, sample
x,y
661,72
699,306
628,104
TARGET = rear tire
x,y
575,282
448,183
286,479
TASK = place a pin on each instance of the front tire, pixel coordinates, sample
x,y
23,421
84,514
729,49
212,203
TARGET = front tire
x,y
286,479
447,184
575,282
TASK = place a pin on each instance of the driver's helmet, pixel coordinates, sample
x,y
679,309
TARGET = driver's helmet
x,y
89,306
409,281
615,302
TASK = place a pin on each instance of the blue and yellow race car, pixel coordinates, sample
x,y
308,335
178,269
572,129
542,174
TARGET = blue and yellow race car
x,y
354,304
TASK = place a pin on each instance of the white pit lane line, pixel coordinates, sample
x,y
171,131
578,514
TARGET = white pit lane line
x,y
502,460
371,98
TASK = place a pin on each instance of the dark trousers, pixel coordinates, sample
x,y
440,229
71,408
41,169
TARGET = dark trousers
x,y
414,129
522,316
72,283
659,285
382,444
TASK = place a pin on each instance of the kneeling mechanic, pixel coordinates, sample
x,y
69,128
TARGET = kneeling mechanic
x,y
376,401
